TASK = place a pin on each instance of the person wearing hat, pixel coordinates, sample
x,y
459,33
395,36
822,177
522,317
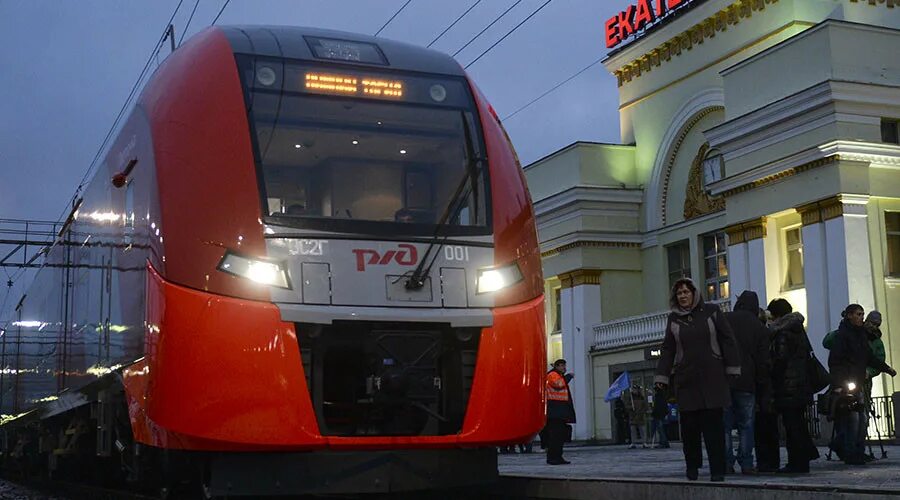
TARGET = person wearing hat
x,y
849,360
699,354
560,411
791,386
872,325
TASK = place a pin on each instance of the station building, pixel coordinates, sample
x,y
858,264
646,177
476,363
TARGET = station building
x,y
759,151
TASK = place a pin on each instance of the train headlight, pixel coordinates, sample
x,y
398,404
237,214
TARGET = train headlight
x,y
492,279
851,386
266,272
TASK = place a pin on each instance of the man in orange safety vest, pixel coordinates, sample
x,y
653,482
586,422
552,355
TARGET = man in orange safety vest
x,y
560,411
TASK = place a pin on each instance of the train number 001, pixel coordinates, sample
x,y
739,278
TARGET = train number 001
x,y
456,253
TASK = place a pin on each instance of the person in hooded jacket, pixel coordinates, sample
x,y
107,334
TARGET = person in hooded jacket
x,y
700,351
872,324
753,344
850,356
792,389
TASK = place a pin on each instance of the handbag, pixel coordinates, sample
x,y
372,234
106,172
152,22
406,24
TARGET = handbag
x,y
817,374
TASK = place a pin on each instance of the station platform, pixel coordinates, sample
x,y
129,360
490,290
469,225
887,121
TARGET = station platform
x,y
616,472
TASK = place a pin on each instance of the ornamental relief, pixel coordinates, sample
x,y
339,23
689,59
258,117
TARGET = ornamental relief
x,y
697,200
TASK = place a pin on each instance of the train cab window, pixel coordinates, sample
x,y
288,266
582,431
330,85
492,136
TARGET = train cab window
x,y
371,166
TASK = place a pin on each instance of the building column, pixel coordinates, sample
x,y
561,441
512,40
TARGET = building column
x,y
754,233
837,264
747,259
738,265
580,297
815,278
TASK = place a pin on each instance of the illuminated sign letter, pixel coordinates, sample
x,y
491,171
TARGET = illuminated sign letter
x,y
612,32
625,19
638,17
644,15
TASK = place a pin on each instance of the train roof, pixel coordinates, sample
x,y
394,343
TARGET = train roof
x,y
292,42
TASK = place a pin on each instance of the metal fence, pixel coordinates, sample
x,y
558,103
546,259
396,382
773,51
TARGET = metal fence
x,y
880,414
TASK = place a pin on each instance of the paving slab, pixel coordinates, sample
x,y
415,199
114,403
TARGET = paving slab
x,y
645,470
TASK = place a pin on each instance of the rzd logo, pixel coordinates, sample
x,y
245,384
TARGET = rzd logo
x,y
405,256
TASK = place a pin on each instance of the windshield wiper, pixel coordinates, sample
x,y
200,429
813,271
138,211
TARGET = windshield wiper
x,y
474,164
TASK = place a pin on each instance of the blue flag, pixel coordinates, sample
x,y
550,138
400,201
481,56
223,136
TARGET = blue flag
x,y
618,387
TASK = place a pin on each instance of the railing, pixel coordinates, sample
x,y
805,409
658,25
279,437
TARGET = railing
x,y
630,331
880,421
883,418
636,330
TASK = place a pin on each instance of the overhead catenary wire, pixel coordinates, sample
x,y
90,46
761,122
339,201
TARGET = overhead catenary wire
x,y
448,28
511,7
131,94
112,129
392,18
213,23
558,85
188,24
510,32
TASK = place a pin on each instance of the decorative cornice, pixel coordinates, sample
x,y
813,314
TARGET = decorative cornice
x,y
583,193
877,155
685,41
735,234
802,112
580,277
890,3
810,214
781,175
590,244
755,230
746,231
832,208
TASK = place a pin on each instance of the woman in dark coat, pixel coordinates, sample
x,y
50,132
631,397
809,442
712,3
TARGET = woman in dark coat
x,y
791,387
700,351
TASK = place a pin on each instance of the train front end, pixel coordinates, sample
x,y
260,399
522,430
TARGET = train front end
x,y
358,294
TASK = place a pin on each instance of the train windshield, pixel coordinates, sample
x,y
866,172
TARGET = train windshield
x,y
377,154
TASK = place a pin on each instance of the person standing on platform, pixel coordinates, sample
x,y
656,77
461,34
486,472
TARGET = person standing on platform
x,y
850,356
636,405
560,411
700,351
791,386
753,343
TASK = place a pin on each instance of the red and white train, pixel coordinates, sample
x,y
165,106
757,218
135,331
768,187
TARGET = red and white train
x,y
308,263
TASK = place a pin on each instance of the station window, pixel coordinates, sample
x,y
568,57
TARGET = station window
x,y
892,230
679,256
557,309
793,251
890,131
715,266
